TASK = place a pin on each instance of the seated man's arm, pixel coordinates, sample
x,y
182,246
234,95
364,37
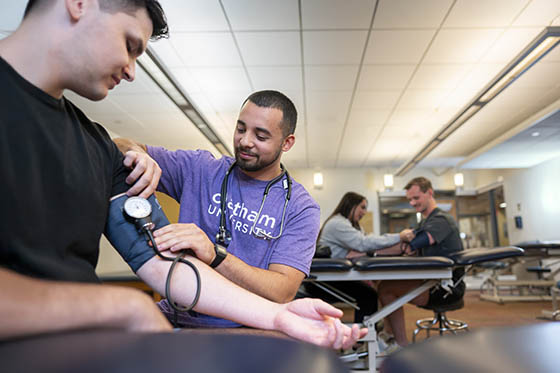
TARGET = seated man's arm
x,y
31,306
310,320
278,283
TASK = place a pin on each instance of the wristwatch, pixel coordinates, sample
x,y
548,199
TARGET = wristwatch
x,y
221,254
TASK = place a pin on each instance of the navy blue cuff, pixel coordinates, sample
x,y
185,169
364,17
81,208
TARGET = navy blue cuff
x,y
123,235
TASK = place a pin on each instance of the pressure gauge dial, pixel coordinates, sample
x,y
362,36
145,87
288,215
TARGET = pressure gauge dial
x,y
137,207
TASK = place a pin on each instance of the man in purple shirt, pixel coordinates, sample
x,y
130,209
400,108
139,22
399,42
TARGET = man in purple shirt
x,y
270,221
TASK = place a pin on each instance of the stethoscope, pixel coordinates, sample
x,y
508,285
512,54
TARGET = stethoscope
x,y
223,237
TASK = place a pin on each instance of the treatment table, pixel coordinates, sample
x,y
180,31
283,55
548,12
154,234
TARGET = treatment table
x,y
433,270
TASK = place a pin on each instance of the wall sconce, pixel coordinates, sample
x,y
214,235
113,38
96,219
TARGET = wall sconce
x,y
388,181
459,180
318,180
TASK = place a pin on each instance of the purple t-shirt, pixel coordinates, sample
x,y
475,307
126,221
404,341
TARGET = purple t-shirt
x,y
194,179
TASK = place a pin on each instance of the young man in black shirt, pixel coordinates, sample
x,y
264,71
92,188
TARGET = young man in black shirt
x,y
59,171
437,235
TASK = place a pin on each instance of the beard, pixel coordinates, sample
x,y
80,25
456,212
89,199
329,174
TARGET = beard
x,y
255,164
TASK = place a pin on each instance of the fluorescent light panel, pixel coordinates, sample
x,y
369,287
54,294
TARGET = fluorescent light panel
x,y
458,122
518,69
537,49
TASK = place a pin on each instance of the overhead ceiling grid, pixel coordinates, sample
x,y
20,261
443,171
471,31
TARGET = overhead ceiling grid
x,y
373,81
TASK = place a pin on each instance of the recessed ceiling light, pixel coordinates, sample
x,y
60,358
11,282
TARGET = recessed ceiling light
x,y
535,134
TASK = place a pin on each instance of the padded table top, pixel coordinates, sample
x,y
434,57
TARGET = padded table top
x,y
118,351
523,349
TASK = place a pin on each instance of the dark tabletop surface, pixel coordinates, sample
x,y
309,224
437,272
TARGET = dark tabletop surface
x,y
118,351
534,349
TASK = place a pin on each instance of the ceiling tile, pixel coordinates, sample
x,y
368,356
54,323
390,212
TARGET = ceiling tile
x,y
421,99
229,101
328,107
375,99
411,14
194,15
334,14
432,76
363,120
144,103
355,147
262,14
185,78
322,145
397,46
142,84
484,13
461,45
330,77
201,102
221,79
121,124
384,77
415,119
276,77
206,49
477,77
269,48
333,47
538,13
510,44
165,51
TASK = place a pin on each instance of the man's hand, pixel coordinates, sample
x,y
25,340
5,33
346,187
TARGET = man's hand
x,y
145,174
407,235
176,237
314,321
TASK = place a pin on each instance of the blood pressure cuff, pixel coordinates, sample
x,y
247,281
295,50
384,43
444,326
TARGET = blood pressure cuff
x,y
123,235
420,241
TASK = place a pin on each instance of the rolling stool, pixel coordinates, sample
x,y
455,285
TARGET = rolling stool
x,y
440,322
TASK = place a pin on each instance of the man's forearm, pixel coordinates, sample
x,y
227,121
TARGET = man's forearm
x,y
270,284
31,306
309,320
218,296
125,145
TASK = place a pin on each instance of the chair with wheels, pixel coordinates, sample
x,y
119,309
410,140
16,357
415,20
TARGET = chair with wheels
x,y
440,322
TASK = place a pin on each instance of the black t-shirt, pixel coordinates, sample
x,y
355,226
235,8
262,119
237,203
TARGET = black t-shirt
x,y
58,171
443,228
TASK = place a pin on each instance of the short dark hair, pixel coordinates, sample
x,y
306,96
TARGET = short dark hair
x,y
422,183
153,7
277,100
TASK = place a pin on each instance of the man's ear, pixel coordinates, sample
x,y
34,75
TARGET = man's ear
x,y
75,8
289,141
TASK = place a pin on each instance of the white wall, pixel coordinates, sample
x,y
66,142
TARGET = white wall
x,y
367,182
535,189
534,194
